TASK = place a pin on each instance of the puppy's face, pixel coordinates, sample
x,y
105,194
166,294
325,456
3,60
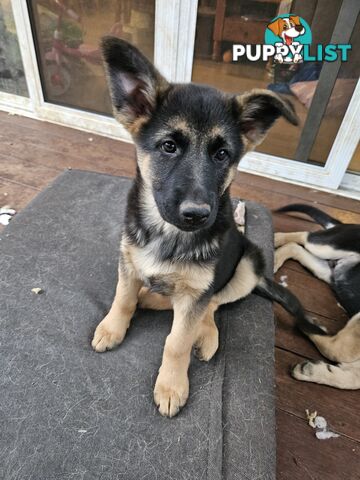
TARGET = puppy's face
x,y
189,138
188,152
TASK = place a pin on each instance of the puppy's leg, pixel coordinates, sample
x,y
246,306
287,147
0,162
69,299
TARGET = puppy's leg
x,y
326,244
207,342
112,329
344,375
241,284
320,268
283,238
342,347
153,301
208,337
172,385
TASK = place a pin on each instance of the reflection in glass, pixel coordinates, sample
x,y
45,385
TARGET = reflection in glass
x,y
12,78
67,40
222,23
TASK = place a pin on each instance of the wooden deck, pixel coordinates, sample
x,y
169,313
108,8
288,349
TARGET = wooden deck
x,y
33,153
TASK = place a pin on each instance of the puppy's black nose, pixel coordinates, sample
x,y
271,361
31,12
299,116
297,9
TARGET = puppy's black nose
x,y
192,212
299,28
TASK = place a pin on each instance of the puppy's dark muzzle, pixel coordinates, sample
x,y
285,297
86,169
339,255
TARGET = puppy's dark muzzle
x,y
194,214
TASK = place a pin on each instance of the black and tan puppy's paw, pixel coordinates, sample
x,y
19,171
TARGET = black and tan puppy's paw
x,y
171,392
207,344
316,372
344,375
108,335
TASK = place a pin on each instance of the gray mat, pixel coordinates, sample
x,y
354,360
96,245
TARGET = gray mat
x,y
69,413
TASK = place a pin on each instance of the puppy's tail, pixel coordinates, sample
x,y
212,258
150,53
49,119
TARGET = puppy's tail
x,y
320,217
273,291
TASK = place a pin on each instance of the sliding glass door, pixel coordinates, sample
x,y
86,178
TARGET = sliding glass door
x,y
55,71
320,91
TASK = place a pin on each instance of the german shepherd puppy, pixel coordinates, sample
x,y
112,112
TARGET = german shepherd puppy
x,y
333,255
180,247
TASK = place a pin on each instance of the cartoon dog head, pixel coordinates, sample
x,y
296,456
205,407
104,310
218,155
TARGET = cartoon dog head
x,y
287,28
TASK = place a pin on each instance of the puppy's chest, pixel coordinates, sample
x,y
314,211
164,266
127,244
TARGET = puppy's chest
x,y
170,277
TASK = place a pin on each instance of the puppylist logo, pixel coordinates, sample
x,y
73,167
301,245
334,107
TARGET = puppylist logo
x,y
294,33
288,39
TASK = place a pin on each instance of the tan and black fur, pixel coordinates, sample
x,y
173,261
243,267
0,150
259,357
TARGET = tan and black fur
x,y
332,255
180,247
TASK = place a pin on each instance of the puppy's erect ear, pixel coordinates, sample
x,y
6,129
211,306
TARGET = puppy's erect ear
x,y
295,19
258,111
275,27
134,82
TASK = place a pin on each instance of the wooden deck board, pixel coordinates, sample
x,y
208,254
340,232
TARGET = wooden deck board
x,y
33,153
279,199
300,456
298,192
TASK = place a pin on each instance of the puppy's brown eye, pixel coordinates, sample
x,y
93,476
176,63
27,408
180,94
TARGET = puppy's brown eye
x,y
285,27
221,155
168,147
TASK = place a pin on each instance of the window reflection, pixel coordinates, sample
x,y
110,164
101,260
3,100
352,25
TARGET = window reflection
x,y
67,40
12,78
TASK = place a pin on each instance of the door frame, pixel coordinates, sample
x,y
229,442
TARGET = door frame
x,y
175,28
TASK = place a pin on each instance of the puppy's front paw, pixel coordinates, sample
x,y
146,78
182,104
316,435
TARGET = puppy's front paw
x,y
171,393
207,344
107,337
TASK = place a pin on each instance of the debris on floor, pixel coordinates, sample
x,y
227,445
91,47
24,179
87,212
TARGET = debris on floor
x,y
321,426
325,435
283,281
6,215
320,422
239,216
311,417
37,290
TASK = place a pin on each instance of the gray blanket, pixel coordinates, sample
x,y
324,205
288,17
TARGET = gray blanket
x,y
69,413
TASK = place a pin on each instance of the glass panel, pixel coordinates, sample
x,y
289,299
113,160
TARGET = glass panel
x,y
12,78
67,34
222,23
339,100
